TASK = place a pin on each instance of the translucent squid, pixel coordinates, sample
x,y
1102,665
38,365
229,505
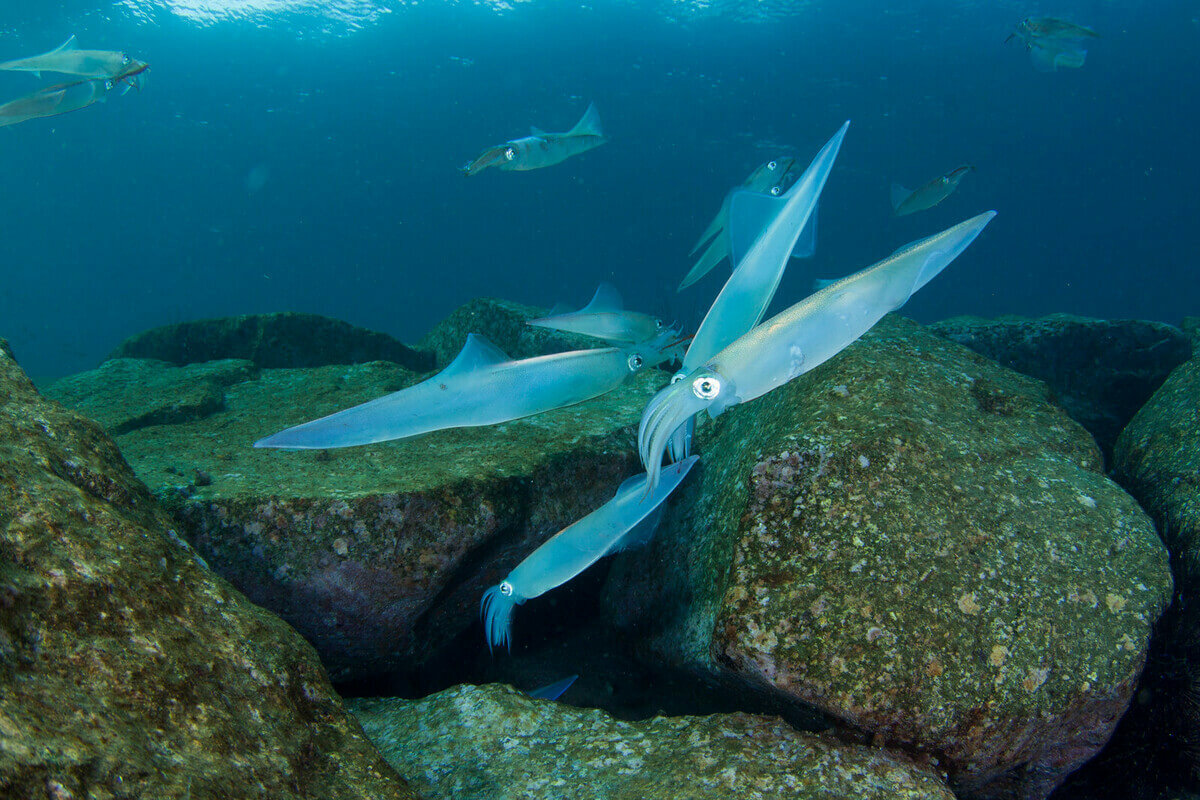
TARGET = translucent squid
x,y
1053,43
605,318
69,60
482,386
542,149
67,97
625,521
729,240
906,202
798,339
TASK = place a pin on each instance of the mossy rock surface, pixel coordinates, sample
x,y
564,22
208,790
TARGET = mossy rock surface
x,y
285,339
918,543
127,668
488,742
378,554
503,323
1101,371
124,394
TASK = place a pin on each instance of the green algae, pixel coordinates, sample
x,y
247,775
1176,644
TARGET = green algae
x,y
487,742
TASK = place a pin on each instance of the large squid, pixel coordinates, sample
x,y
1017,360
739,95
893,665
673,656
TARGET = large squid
x,y
798,339
69,60
67,97
542,149
731,239
1053,43
482,386
605,317
626,520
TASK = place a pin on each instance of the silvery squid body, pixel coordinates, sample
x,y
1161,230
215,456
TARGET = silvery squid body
x,y
798,339
749,291
67,97
69,60
542,149
906,202
727,240
482,386
626,520
605,317
1053,43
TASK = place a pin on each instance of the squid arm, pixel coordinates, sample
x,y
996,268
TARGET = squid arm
x,y
576,547
482,386
490,157
798,339
605,318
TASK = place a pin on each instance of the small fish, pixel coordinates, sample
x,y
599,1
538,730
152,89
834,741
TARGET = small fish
x,y
68,60
1053,43
929,195
542,149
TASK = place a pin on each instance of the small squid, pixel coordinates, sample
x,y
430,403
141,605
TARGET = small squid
x,y
929,195
605,318
798,339
625,521
482,386
542,149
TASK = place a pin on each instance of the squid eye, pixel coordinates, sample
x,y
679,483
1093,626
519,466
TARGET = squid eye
x,y
706,388
124,58
108,84
635,362
658,324
771,165
776,190
677,377
506,589
510,153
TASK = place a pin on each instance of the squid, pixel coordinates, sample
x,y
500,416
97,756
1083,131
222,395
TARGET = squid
x,y
798,339
625,521
67,97
542,149
605,318
906,202
68,60
482,386
728,241
1053,43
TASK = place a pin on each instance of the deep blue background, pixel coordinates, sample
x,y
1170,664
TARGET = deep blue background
x,y
144,211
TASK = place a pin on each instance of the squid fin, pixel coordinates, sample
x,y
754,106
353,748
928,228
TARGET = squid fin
x,y
476,353
806,245
899,195
534,130
749,213
589,123
554,690
606,298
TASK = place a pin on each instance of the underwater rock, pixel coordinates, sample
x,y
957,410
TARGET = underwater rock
x,y
379,555
1101,371
919,544
504,324
285,339
484,742
124,394
127,669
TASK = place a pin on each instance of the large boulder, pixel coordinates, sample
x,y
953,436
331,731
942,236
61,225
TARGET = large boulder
x,y
285,339
918,543
377,554
1101,371
484,742
127,668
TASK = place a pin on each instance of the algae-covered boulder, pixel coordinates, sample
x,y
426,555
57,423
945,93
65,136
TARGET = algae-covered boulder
x,y
378,554
917,542
503,322
285,339
1101,371
127,669
486,742
124,394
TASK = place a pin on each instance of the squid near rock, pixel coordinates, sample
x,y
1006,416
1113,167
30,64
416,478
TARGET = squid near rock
x,y
482,386
625,521
798,339
605,317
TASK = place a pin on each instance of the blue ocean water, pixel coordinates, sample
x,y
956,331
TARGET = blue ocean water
x,y
303,156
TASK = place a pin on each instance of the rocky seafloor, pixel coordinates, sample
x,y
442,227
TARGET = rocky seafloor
x,y
954,561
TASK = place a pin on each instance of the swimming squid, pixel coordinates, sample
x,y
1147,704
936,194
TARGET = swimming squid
x,y
906,202
482,386
605,318
626,520
798,339
773,178
1053,43
68,60
554,690
542,149
67,97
